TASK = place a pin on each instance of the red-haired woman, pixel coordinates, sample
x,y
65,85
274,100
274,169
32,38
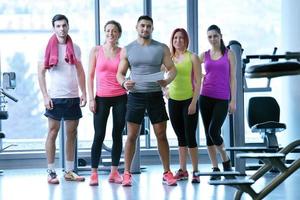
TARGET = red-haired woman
x,y
183,93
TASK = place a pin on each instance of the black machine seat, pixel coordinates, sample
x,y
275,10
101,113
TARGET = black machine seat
x,y
273,69
2,135
263,117
268,127
3,115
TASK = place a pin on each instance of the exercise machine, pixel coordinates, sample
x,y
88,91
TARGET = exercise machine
x,y
269,70
9,82
268,129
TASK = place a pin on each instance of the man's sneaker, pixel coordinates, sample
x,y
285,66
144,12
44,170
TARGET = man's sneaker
x,y
227,166
181,175
72,176
213,178
52,177
195,179
94,179
169,179
127,179
115,177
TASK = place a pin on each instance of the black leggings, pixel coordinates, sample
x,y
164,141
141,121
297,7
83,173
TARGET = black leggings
x,y
104,104
213,112
183,124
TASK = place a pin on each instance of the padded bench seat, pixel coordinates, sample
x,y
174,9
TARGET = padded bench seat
x,y
227,173
232,182
261,155
273,69
251,149
259,149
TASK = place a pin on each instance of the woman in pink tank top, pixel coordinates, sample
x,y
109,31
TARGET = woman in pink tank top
x,y
217,96
104,61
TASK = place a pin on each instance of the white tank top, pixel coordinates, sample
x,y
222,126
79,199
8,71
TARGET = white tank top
x,y
63,81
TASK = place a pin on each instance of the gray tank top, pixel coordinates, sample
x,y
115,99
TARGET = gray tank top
x,y
144,60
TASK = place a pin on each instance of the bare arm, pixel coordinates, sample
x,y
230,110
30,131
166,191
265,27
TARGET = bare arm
x,y
43,86
201,58
169,67
122,70
232,61
197,83
91,76
81,82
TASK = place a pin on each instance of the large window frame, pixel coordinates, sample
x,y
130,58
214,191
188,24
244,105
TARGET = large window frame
x,y
194,25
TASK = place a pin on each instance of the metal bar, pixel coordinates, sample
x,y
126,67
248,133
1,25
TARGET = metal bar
x,y
97,22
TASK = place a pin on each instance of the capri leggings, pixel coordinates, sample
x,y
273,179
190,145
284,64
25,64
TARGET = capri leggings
x,y
213,112
104,104
183,124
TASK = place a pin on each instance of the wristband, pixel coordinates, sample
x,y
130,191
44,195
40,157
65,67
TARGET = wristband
x,y
123,84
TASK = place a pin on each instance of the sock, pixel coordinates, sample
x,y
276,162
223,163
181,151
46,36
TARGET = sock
x,y
69,166
51,166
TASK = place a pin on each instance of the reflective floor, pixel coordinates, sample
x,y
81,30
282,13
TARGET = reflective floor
x,y
31,184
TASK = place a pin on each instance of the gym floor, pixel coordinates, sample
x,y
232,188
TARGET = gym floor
x,y
32,184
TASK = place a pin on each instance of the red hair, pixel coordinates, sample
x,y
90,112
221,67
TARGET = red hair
x,y
185,37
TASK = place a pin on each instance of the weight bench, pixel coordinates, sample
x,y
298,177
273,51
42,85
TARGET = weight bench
x,y
226,174
270,160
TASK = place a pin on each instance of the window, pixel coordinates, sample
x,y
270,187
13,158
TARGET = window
x,y
258,33
127,17
167,16
25,29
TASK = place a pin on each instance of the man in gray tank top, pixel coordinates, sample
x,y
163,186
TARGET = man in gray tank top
x,y
145,57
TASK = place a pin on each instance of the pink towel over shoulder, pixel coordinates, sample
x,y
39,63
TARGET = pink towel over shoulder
x,y
51,53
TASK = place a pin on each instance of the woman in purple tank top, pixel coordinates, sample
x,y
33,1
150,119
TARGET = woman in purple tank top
x,y
217,96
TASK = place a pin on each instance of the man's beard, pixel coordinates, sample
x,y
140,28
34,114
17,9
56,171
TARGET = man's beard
x,y
145,36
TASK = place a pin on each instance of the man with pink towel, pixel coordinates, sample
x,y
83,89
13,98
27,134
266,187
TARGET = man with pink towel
x,y
62,101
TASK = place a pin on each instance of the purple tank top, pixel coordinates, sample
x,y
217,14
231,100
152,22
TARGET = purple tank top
x,y
216,82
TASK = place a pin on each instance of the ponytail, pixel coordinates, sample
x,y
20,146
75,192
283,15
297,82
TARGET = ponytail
x,y
223,47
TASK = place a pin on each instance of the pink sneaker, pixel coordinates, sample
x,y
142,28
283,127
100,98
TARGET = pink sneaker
x,y
196,178
114,177
127,179
94,179
169,179
181,175
52,177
